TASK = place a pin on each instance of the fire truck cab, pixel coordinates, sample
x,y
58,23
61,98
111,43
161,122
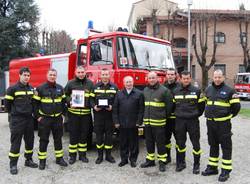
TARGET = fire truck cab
x,y
242,85
122,53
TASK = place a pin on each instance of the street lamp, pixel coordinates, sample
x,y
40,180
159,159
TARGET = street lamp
x,y
189,3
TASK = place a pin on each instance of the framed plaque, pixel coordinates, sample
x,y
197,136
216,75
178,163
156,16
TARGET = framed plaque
x,y
102,102
78,98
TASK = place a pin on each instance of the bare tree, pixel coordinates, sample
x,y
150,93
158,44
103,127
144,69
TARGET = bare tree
x,y
243,25
201,32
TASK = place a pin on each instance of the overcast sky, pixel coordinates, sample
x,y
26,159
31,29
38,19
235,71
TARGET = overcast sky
x,y
73,15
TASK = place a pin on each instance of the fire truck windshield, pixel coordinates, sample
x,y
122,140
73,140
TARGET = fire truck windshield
x,y
135,53
243,79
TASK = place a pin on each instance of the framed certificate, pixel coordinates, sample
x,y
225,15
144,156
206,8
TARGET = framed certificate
x,y
78,98
102,102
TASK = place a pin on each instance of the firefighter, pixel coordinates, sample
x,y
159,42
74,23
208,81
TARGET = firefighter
x,y
171,84
80,120
18,103
128,111
104,94
188,106
158,106
222,104
49,110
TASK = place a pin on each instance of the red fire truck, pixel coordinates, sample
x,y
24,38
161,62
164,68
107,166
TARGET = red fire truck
x,y
122,53
242,85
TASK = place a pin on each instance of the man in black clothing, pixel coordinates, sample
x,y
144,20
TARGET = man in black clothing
x,y
171,84
188,105
222,104
102,103
18,102
80,120
128,111
49,111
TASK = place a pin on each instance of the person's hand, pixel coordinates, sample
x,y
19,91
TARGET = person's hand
x,y
39,119
97,108
110,108
117,125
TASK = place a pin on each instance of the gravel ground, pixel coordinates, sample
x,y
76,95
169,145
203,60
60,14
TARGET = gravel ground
x,y
111,173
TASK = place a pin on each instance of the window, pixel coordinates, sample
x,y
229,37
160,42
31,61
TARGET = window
x,y
221,67
242,69
243,37
101,52
180,42
193,72
82,55
220,37
135,53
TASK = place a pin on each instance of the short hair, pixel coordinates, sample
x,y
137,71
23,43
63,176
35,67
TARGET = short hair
x,y
128,77
219,71
185,72
172,69
52,70
80,67
23,70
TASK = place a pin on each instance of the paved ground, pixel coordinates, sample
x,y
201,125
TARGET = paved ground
x,y
110,173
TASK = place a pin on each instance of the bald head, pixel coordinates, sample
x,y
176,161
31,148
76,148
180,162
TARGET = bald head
x,y
218,77
152,78
128,82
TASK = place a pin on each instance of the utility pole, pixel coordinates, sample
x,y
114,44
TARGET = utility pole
x,y
189,3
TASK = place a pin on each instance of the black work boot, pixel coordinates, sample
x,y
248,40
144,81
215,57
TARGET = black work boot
x,y
181,164
72,159
60,161
196,166
29,163
13,167
42,164
210,170
148,163
109,157
100,156
168,155
83,157
224,175
162,166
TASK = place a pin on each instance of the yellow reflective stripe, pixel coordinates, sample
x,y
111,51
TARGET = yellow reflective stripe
x,y
150,156
14,154
157,124
227,167
213,159
82,149
226,161
64,96
28,151
213,163
30,92
155,104
87,94
79,113
221,119
236,100
99,91
45,100
172,117
168,145
79,110
20,93
203,99
111,91
197,152
8,97
155,120
191,96
162,156
59,155
58,151
108,147
42,155
36,97
174,100
82,145
92,94
181,150
73,146
99,146
51,115
179,97
217,103
72,150
58,100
